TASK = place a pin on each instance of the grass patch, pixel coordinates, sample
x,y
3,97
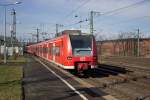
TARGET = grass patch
x,y
10,80
19,59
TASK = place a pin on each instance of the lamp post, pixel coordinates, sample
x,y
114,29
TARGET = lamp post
x,y
5,5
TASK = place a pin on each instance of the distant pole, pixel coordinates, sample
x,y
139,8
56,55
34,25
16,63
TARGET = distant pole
x,y
5,59
57,26
80,21
56,30
13,30
91,22
138,42
37,34
92,13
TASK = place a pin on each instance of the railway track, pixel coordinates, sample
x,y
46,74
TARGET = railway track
x,y
121,83
131,67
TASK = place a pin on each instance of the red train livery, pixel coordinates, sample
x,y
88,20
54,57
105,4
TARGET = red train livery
x,y
69,51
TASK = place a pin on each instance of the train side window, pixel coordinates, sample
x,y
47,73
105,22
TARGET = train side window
x,y
49,51
46,49
38,49
53,50
43,50
57,51
35,49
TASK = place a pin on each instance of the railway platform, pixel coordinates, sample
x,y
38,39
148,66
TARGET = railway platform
x,y
43,82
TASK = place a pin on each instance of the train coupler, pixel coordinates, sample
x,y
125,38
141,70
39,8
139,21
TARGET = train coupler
x,y
82,66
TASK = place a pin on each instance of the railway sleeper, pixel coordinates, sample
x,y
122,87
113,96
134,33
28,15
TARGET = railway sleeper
x,y
114,83
122,80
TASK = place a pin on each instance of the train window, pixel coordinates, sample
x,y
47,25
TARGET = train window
x,y
45,49
42,49
35,49
81,45
53,50
57,51
39,49
49,51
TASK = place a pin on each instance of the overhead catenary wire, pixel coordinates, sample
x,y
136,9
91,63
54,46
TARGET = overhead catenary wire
x,y
76,23
118,10
71,24
77,8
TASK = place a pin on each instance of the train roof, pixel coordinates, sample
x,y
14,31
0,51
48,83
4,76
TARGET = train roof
x,y
64,33
48,40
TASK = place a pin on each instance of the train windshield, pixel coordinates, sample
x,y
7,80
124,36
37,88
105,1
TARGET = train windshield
x,y
81,45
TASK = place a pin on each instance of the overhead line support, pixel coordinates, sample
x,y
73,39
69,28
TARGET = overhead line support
x,y
92,13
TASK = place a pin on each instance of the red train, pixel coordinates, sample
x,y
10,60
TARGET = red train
x,y
69,51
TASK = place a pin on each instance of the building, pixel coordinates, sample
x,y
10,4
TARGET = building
x,y
124,47
11,48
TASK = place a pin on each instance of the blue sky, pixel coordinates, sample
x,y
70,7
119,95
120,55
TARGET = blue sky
x,y
46,13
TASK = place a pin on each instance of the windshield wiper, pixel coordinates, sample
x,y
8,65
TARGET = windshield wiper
x,y
78,50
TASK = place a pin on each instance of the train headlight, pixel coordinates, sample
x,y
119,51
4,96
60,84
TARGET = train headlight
x,y
69,58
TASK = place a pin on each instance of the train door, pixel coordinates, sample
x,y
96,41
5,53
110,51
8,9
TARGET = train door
x,y
58,51
40,47
50,51
61,52
42,50
38,50
53,51
47,51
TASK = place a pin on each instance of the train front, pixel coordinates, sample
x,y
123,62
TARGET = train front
x,y
84,53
